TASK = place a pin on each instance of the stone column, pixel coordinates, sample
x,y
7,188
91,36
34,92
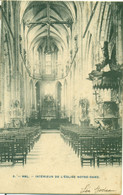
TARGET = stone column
x,y
119,54
2,70
119,37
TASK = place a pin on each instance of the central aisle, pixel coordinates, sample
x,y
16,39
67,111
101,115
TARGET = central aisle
x,y
51,153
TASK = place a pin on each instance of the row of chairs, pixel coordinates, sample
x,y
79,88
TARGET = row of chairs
x,y
95,149
92,159
15,145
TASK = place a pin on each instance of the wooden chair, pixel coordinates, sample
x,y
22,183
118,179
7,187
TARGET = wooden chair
x,y
88,159
103,160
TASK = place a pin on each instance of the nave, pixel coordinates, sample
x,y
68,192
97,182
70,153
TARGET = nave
x,y
61,62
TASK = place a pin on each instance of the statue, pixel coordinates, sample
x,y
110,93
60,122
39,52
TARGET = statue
x,y
105,57
84,103
115,69
112,63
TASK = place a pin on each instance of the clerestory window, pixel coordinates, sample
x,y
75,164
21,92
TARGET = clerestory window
x,y
48,64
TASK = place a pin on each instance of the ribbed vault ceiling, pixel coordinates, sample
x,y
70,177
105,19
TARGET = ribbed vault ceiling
x,y
49,23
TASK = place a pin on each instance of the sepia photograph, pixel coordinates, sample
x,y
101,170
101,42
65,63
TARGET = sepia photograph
x,y
61,97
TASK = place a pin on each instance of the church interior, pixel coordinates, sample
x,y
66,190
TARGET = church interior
x,y
61,71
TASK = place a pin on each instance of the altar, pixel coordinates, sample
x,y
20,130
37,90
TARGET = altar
x,y
48,111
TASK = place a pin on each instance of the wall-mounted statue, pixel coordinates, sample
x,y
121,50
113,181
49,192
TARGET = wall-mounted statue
x,y
84,118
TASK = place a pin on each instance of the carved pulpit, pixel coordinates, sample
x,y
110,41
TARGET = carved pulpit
x,y
107,113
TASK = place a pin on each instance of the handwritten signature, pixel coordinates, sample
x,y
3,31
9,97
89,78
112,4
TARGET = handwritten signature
x,y
88,188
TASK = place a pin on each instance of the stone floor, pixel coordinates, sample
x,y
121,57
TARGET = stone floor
x,y
51,153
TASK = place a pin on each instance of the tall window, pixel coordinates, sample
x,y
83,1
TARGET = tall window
x,y
48,64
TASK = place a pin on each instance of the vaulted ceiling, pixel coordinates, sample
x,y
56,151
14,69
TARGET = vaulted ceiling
x,y
49,23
